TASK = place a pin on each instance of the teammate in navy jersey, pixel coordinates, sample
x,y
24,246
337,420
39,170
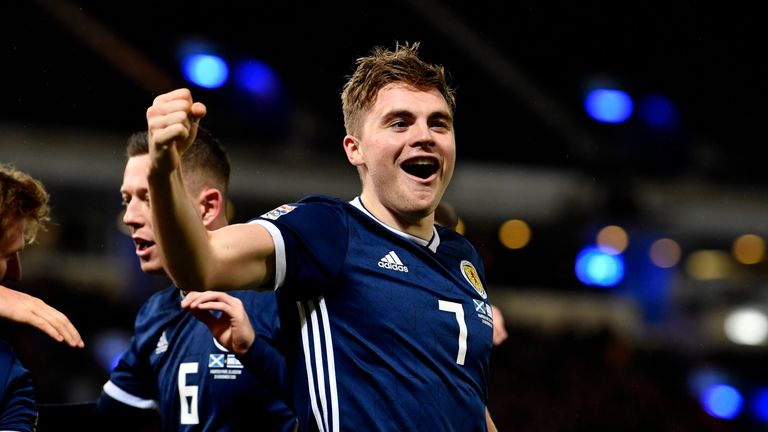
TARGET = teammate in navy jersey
x,y
174,365
23,210
386,322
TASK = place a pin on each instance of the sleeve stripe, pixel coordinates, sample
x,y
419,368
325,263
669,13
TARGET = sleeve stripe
x,y
277,238
121,395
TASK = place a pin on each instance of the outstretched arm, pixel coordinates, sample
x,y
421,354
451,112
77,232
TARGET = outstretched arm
x,y
24,308
233,257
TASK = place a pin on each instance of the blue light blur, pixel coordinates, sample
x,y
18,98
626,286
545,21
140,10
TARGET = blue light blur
x,y
109,347
598,268
609,106
257,78
205,70
658,111
722,401
759,405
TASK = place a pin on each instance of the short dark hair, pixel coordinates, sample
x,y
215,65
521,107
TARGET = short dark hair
x,y
383,67
205,157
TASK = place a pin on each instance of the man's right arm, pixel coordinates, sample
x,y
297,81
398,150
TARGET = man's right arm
x,y
233,257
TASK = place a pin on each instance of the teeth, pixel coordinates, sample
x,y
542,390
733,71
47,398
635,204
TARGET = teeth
x,y
424,161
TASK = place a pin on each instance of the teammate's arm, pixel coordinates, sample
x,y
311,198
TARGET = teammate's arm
x,y
233,329
24,308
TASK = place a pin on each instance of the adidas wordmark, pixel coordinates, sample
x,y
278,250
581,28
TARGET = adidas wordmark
x,y
392,261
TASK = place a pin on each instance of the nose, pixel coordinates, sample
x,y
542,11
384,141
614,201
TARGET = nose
x,y
422,135
13,268
131,215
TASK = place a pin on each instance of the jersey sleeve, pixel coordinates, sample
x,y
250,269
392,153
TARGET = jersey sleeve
x,y
263,358
311,240
17,406
131,381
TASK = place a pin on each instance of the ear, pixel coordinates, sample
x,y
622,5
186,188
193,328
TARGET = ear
x,y
210,205
354,150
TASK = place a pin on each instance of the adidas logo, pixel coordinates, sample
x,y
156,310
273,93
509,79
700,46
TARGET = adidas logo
x,y
162,344
392,261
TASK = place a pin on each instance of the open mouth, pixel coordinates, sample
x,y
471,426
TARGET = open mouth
x,y
142,245
422,168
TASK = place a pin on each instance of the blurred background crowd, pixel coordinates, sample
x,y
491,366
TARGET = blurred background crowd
x,y
608,171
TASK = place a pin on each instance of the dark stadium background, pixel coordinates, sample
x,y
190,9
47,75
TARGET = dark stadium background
x,y
77,77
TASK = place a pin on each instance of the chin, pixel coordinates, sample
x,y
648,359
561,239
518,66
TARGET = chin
x,y
152,268
424,205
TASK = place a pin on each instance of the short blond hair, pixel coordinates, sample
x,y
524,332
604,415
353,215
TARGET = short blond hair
x,y
383,67
22,197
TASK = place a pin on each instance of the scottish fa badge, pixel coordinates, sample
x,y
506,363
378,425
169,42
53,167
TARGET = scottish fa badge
x,y
470,274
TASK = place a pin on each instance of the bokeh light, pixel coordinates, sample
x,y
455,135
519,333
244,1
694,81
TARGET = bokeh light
x,y
746,326
609,106
597,268
612,239
748,249
665,253
514,234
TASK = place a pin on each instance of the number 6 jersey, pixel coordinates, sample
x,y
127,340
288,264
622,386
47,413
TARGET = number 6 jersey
x,y
175,365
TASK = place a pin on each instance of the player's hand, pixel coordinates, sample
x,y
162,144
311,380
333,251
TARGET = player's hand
x,y
172,122
232,327
499,328
24,308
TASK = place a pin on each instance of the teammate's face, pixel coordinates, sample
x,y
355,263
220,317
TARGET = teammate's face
x,y
11,244
407,152
138,216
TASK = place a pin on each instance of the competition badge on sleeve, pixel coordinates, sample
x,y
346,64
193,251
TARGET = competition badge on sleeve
x,y
276,213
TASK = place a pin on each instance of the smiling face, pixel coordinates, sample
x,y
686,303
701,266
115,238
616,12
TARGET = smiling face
x,y
405,154
138,215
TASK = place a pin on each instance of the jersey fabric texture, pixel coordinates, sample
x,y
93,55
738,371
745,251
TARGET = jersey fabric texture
x,y
175,365
384,331
17,396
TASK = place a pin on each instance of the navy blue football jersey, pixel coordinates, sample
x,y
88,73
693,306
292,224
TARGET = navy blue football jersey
x,y
17,396
175,365
384,331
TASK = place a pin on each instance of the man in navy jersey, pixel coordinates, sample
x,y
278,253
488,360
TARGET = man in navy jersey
x,y
23,210
174,365
385,320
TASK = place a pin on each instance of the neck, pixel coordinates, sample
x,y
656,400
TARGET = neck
x,y
415,225
219,222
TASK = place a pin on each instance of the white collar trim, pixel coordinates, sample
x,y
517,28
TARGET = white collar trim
x,y
432,244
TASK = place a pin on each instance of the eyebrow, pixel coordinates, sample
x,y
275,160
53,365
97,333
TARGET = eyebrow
x,y
407,113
